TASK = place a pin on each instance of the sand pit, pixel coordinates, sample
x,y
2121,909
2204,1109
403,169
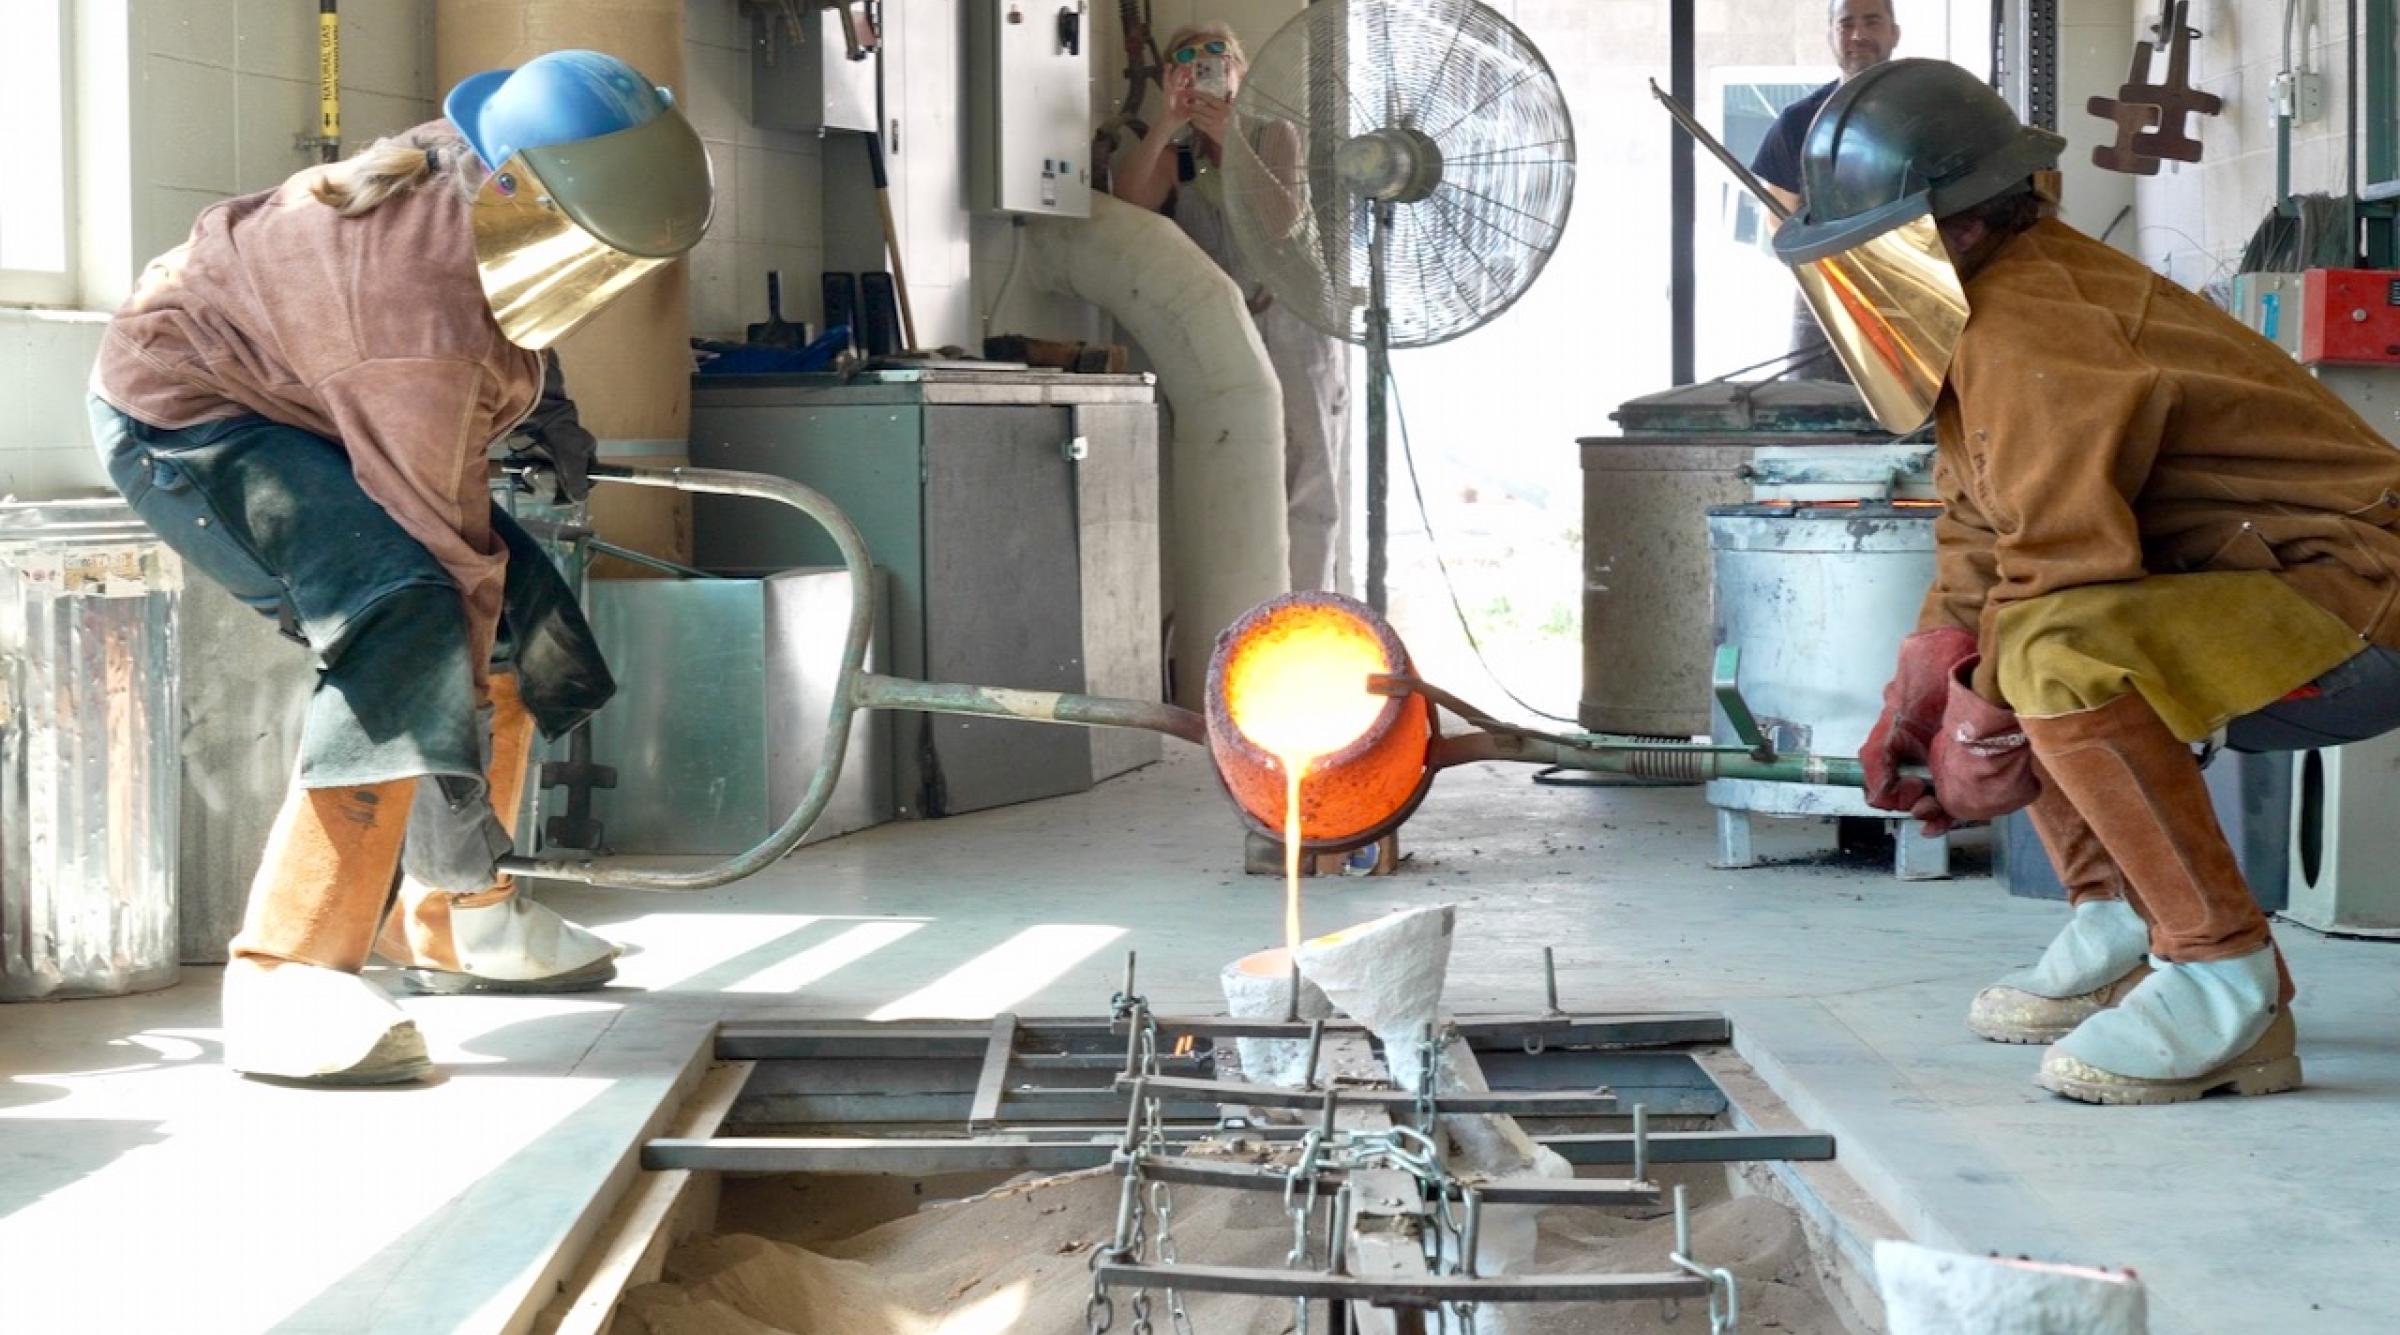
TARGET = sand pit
x,y
864,1256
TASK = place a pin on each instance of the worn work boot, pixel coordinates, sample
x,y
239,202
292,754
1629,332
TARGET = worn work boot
x,y
2088,968
493,939
290,1021
2216,1016
294,1005
2187,1030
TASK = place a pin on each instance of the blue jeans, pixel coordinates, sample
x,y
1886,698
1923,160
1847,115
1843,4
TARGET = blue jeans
x,y
2355,701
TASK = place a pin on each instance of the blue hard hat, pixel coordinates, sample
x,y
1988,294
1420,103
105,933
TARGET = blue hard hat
x,y
559,97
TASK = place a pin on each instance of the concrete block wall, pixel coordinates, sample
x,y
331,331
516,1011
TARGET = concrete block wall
x,y
226,86
768,185
2193,219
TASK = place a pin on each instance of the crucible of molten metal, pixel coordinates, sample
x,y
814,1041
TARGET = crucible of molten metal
x,y
1288,682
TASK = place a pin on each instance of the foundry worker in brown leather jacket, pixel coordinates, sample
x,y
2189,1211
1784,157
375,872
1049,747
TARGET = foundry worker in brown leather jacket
x,y
2159,529
301,399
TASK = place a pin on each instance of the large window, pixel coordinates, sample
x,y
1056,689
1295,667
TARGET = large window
x,y
37,234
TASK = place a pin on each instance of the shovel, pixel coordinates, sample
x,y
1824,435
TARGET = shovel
x,y
776,332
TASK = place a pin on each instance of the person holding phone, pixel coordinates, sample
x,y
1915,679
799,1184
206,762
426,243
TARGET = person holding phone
x,y
1177,170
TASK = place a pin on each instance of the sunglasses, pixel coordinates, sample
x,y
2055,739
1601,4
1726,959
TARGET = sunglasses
x,y
1185,55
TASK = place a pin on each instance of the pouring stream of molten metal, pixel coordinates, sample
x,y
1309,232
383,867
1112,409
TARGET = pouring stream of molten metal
x,y
1301,696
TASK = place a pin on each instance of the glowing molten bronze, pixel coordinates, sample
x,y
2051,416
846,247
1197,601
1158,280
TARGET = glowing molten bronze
x,y
1290,680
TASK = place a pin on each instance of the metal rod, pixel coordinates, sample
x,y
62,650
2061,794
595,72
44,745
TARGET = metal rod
x,y
908,1157
1665,760
873,691
1700,135
1131,957
645,559
1291,1000
910,1039
1190,1170
1128,1201
1641,1142
1609,1149
1473,1240
1423,1291
1337,1248
1518,1102
1325,1122
1316,1046
1133,1117
1682,203
1497,1032
1133,1039
1683,1224
1379,357
991,1083
1550,978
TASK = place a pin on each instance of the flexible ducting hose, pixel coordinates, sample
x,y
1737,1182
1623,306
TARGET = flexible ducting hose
x,y
1227,548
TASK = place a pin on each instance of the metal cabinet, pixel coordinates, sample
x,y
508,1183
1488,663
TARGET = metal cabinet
x,y
1016,517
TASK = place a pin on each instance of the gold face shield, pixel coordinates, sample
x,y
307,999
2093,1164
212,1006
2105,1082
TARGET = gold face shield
x,y
542,273
562,231
1893,308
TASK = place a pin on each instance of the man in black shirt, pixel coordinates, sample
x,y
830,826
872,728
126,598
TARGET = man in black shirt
x,y
1863,34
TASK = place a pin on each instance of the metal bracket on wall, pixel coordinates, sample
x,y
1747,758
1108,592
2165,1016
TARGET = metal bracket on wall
x,y
2151,118
2025,58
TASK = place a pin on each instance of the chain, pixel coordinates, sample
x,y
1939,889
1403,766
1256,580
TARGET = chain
x,y
1161,1199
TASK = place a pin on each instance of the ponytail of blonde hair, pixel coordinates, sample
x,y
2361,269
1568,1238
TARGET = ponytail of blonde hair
x,y
386,168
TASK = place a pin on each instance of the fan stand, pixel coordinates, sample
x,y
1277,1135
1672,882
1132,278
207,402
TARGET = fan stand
x,y
1379,362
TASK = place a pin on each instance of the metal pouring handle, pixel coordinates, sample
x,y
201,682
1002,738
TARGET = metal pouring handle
x,y
621,873
856,689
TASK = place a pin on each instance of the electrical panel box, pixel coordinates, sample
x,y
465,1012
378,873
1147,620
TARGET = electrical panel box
x,y
2352,317
820,78
2270,303
1029,107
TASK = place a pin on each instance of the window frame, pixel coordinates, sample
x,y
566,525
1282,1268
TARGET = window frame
x,y
58,287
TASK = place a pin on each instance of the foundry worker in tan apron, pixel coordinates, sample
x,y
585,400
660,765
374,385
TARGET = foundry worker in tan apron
x,y
300,399
1178,169
2159,530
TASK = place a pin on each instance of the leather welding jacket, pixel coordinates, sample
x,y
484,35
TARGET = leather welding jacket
x,y
370,332
2101,424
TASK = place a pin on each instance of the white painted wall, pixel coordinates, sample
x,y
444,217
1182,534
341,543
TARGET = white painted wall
x,y
2192,221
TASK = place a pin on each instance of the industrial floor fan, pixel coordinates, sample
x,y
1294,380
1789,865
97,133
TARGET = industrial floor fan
x,y
1404,171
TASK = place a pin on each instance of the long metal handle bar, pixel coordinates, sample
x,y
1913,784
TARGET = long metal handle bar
x,y
621,873
858,690
1683,761
1700,135
871,691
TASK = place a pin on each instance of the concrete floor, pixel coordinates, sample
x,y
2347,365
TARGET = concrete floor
x,y
141,1188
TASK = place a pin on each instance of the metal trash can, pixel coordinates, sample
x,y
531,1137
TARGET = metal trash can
x,y
90,769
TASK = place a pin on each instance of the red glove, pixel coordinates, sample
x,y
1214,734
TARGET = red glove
x,y
1982,766
1912,713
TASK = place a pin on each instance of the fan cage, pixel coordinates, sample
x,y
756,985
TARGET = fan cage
x,y
1453,71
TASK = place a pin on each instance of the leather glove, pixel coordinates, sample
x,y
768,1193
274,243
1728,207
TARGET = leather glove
x,y
1912,712
1982,765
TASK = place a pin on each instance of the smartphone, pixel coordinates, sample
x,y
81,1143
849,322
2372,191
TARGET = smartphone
x,y
1209,76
